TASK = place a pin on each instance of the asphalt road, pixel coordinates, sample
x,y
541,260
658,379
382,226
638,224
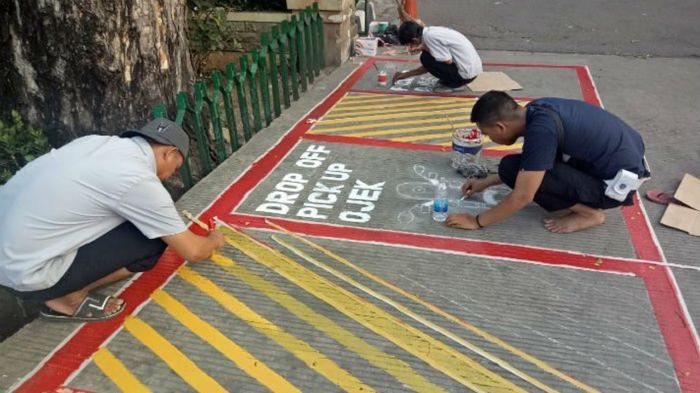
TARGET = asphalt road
x,y
644,28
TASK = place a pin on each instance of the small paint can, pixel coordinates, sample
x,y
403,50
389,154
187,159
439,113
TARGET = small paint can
x,y
382,78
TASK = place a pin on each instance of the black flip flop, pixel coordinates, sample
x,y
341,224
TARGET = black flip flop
x,y
92,309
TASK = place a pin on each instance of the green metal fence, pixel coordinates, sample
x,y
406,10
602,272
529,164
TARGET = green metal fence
x,y
251,93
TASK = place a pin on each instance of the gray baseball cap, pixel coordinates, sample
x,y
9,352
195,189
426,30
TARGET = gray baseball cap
x,y
164,131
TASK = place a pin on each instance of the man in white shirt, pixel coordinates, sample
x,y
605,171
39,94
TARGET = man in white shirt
x,y
446,54
94,212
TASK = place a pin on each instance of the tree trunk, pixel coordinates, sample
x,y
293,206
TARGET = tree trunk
x,y
77,67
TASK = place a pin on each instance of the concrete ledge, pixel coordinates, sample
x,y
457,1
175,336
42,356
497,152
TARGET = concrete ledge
x,y
324,5
258,17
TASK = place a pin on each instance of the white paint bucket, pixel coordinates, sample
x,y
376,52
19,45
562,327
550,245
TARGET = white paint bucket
x,y
466,147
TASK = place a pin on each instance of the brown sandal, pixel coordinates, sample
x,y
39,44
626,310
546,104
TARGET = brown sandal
x,y
659,196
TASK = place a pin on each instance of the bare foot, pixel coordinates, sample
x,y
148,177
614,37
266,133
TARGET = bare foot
x,y
574,222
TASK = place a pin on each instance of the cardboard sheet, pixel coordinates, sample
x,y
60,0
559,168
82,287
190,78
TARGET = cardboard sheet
x,y
688,191
685,218
494,81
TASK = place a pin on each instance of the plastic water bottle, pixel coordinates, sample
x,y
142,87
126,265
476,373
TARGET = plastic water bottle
x,y
440,201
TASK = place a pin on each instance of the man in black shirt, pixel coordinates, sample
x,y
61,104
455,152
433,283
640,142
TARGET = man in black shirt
x,y
575,156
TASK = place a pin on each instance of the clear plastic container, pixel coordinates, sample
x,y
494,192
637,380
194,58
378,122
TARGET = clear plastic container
x,y
440,203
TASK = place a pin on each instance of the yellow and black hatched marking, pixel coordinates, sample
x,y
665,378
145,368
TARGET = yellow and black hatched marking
x,y
374,304
401,118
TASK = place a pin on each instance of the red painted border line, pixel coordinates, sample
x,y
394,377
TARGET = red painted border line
x,y
675,328
681,343
478,248
640,233
588,90
394,144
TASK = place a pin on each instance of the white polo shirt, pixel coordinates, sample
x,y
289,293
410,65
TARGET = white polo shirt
x,y
73,195
447,44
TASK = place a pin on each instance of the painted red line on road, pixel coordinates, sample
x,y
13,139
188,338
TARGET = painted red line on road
x,y
588,90
479,248
678,333
640,233
675,328
394,144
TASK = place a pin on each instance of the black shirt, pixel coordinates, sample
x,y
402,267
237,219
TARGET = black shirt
x,y
591,134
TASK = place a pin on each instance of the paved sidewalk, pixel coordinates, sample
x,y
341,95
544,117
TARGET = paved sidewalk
x,y
335,277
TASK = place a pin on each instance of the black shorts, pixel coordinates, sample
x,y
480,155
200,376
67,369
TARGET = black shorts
x,y
564,185
448,74
123,246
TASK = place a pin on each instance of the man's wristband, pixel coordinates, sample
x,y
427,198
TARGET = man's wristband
x,y
477,222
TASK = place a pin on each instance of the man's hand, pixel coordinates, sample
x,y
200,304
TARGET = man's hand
x,y
473,186
463,221
193,247
217,238
398,76
406,74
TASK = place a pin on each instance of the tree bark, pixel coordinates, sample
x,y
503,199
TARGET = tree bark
x,y
77,67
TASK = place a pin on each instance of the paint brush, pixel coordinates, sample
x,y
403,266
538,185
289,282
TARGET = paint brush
x,y
195,220
220,222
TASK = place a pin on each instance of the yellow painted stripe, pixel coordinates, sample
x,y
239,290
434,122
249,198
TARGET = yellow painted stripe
x,y
423,137
404,310
400,131
238,355
399,369
424,102
466,109
115,370
302,350
443,357
515,146
458,121
403,115
481,333
173,357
